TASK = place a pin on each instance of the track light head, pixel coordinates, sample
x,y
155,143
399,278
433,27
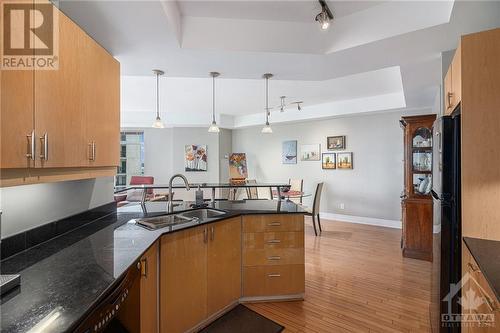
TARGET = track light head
x,y
325,16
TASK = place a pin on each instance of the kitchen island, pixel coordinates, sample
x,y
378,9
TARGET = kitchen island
x,y
62,280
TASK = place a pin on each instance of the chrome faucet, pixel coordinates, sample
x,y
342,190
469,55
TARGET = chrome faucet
x,y
171,194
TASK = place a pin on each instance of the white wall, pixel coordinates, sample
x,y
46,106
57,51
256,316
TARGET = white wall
x,y
371,189
29,206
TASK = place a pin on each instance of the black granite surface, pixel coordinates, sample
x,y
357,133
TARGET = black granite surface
x,y
26,239
487,255
62,279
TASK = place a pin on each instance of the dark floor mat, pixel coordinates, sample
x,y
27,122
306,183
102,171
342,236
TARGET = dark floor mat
x,y
243,320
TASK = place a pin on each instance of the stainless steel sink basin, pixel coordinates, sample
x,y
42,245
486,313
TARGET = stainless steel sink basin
x,y
163,221
203,214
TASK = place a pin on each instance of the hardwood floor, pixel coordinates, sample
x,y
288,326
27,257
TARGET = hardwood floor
x,y
357,281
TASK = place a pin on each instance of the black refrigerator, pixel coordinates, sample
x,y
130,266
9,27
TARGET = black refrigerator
x,y
447,202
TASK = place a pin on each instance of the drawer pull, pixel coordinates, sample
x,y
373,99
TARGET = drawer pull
x,y
274,224
274,258
274,241
472,268
274,275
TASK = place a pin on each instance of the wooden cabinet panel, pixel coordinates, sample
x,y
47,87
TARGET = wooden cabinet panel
x,y
224,264
273,240
456,78
269,256
183,280
149,290
273,280
417,239
59,102
16,118
273,222
101,92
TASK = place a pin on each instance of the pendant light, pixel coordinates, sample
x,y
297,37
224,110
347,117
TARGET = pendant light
x,y
158,123
213,127
267,128
283,105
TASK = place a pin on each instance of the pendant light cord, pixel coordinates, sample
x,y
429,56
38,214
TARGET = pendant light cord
x,y
157,95
267,101
213,99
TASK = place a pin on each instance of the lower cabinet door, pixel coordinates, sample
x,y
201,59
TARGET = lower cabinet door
x,y
224,264
183,280
149,290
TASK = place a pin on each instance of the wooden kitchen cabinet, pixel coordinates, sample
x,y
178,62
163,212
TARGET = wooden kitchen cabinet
x,y
453,83
477,286
183,279
149,290
273,256
224,264
101,93
200,274
61,124
59,114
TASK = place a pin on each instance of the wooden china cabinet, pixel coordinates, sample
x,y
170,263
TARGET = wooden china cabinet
x,y
416,199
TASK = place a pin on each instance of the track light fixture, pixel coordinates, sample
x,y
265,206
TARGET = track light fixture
x,y
213,127
158,123
325,16
299,105
267,128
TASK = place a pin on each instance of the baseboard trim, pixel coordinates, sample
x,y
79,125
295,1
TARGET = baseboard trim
x,y
362,220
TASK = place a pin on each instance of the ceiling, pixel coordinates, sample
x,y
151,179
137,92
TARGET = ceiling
x,y
370,46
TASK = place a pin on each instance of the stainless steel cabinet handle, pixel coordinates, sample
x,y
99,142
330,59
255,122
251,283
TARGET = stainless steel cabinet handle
x,y
274,224
92,151
44,142
212,233
205,235
31,145
274,275
274,241
274,258
450,95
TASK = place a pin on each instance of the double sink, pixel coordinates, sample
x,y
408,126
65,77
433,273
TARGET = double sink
x,y
196,215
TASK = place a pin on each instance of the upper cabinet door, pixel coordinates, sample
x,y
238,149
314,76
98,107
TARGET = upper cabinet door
x,y
101,91
59,117
16,119
456,78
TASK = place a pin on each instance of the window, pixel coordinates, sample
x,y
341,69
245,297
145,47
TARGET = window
x,y
131,157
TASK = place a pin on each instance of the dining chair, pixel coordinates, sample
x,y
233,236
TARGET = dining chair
x,y
296,185
314,212
252,192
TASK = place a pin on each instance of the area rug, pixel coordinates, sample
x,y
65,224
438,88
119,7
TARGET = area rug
x,y
243,320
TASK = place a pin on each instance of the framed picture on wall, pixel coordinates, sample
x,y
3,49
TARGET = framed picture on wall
x,y
344,161
335,142
328,161
289,152
310,152
195,158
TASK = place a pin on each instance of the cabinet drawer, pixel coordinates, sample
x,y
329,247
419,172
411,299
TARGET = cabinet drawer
x,y
270,256
274,240
273,222
273,280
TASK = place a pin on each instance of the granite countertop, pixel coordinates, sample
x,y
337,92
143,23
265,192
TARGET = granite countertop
x,y
487,255
62,279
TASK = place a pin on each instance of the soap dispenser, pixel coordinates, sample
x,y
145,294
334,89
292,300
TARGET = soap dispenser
x,y
199,197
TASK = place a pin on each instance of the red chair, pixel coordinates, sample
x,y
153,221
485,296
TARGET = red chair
x,y
136,195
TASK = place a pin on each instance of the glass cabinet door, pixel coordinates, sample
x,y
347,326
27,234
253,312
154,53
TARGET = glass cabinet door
x,y
421,163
